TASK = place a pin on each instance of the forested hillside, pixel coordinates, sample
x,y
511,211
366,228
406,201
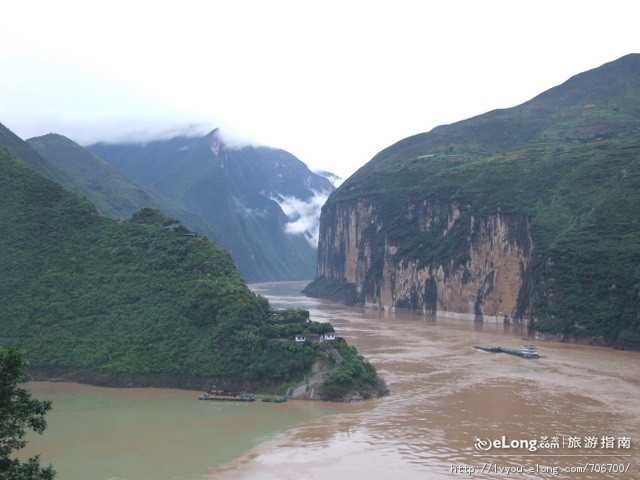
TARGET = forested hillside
x,y
135,302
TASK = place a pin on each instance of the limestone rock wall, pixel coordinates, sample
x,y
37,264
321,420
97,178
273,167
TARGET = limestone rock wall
x,y
483,275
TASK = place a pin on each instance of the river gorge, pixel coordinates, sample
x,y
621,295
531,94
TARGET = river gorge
x,y
444,396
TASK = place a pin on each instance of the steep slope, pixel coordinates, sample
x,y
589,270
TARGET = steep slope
x,y
20,149
112,193
140,302
261,199
526,213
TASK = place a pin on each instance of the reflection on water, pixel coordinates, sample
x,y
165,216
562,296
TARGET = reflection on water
x,y
445,394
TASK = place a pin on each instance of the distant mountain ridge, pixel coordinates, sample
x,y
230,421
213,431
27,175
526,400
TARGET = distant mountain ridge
x,y
242,193
262,204
111,192
20,149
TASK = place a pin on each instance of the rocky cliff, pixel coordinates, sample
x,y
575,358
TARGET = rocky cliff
x,y
526,213
485,278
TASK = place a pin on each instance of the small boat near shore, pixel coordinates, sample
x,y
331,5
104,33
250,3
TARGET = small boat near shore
x,y
526,351
216,394
223,396
275,399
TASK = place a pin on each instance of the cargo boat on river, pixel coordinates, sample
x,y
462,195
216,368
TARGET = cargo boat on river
x,y
527,351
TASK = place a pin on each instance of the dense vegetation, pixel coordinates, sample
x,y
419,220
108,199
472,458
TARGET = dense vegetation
x,y
19,412
111,193
352,374
142,301
21,149
567,161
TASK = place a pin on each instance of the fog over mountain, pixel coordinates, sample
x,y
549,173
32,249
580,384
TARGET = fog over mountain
x,y
262,203
303,215
335,180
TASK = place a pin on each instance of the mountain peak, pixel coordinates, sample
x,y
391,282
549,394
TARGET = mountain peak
x,y
53,137
215,141
215,133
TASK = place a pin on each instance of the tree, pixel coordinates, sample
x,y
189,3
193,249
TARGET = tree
x,y
19,412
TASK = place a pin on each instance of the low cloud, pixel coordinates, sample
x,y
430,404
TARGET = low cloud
x,y
122,131
335,180
304,216
235,139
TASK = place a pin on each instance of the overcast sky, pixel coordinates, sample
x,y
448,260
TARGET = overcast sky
x,y
332,82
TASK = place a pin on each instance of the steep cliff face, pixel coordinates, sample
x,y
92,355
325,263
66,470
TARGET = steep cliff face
x,y
485,278
528,212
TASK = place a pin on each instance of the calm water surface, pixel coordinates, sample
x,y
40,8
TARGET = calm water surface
x,y
444,395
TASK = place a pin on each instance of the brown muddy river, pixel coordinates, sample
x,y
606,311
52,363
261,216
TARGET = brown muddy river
x,y
445,395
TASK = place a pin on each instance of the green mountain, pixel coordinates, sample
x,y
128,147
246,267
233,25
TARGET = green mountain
x,y
529,213
264,201
20,149
142,301
113,194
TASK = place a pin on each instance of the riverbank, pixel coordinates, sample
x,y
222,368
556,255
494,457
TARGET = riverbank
x,y
327,290
182,382
340,374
